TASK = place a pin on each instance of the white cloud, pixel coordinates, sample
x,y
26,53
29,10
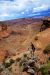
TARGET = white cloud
x,y
43,7
22,12
4,15
17,7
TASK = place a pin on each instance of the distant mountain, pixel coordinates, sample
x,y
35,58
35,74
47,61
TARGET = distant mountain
x,y
22,21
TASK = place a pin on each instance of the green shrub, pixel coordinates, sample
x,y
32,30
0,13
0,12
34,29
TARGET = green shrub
x,y
11,61
18,59
20,63
25,55
8,64
47,49
45,69
1,69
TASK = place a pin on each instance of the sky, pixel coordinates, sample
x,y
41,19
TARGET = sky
x,y
14,9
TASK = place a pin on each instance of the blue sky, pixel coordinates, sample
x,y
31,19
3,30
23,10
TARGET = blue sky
x,y
13,9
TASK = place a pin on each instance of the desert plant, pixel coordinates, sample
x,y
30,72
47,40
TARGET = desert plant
x,y
36,38
18,59
12,61
45,68
8,64
1,69
25,55
47,49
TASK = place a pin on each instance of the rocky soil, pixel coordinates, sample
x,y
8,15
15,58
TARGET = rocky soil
x,y
16,39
